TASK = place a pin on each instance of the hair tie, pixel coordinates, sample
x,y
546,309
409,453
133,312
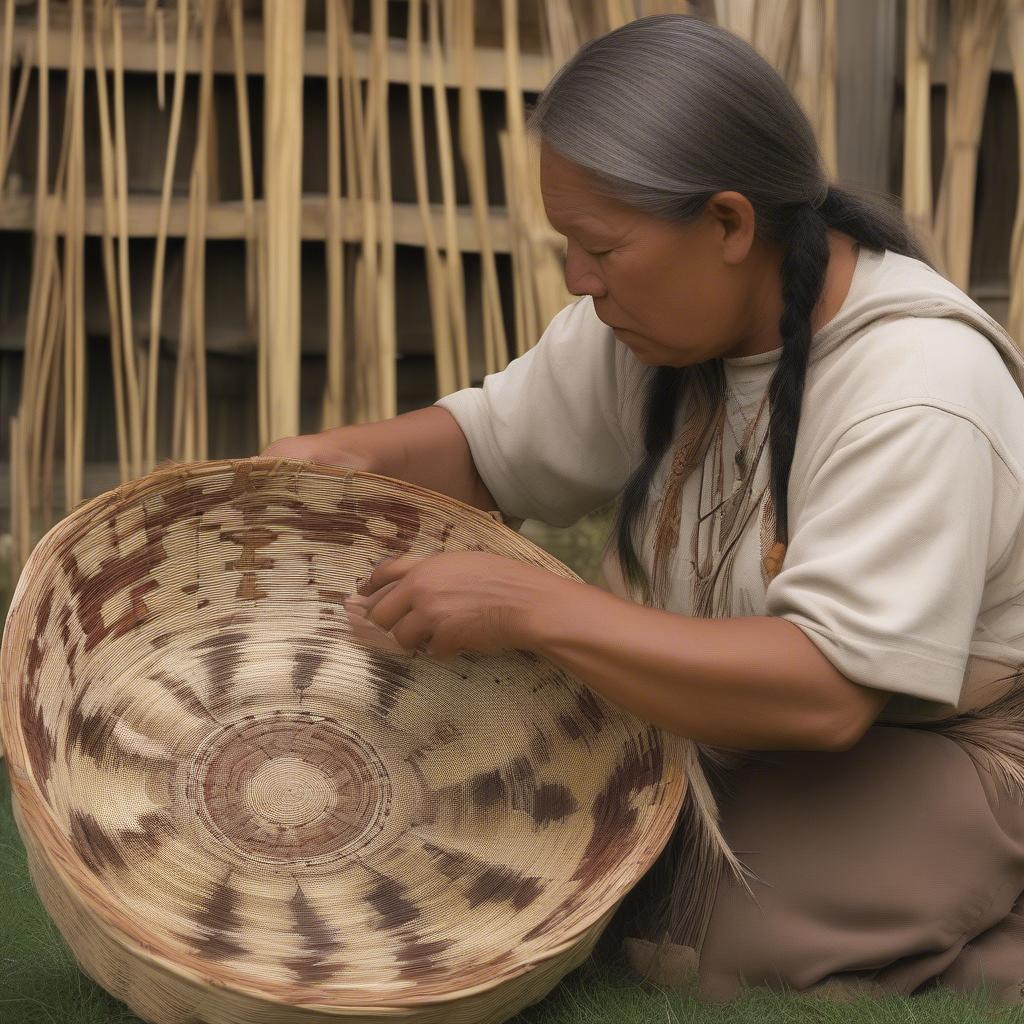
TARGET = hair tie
x,y
822,196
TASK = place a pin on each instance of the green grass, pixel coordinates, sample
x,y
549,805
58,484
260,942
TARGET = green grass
x,y
578,546
40,982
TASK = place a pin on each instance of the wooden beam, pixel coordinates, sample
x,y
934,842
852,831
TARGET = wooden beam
x,y
227,220
141,53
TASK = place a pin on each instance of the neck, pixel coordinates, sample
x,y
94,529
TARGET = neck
x,y
762,333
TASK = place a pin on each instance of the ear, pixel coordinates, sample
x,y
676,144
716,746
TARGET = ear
x,y
733,222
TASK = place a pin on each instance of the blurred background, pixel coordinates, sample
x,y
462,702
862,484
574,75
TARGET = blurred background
x,y
227,221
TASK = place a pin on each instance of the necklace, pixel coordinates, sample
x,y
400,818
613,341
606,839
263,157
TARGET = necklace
x,y
740,456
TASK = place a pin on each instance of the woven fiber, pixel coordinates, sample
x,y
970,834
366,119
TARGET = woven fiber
x,y
239,808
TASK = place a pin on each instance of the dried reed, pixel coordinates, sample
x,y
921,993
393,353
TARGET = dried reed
x,y
974,25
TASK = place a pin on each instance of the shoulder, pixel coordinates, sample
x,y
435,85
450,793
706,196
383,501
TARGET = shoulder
x,y
935,364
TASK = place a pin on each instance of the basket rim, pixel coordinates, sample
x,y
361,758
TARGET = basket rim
x,y
120,925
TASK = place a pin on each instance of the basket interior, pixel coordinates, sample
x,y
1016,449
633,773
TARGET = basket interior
x,y
260,786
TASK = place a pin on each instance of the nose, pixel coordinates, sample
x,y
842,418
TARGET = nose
x,y
581,275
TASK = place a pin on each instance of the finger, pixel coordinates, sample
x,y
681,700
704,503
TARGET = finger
x,y
387,571
389,604
368,602
369,633
412,631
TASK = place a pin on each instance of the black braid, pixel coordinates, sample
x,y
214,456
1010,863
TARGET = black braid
x,y
804,263
663,394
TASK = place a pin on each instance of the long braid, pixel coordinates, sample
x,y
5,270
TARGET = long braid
x,y
663,394
804,263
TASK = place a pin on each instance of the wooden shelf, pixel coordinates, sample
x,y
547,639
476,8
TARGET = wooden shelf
x,y
140,53
227,220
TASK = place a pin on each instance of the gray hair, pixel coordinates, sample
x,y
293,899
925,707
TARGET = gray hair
x,y
669,109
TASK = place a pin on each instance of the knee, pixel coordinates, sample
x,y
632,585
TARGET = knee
x,y
764,952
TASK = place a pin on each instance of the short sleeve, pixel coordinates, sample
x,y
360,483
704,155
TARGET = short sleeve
x,y
544,432
890,550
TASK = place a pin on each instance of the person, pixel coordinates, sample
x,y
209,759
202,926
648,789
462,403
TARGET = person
x,y
816,571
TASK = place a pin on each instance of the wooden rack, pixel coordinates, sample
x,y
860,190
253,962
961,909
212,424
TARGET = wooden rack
x,y
423,261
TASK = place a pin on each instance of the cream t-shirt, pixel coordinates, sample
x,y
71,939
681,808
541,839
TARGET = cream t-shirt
x,y
905,563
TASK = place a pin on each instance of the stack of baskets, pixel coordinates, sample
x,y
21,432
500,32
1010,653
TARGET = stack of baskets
x,y
238,808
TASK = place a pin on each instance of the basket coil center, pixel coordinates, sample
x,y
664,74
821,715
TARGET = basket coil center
x,y
291,787
288,791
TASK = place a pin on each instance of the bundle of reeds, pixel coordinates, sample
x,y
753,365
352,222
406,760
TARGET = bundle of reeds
x,y
974,25
917,148
798,38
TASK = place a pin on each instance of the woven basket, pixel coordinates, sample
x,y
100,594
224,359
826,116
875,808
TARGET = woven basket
x,y
237,808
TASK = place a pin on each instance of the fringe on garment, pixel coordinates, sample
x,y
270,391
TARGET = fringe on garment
x,y
680,890
993,736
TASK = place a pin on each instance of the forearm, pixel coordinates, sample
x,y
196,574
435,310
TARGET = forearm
x,y
750,683
425,446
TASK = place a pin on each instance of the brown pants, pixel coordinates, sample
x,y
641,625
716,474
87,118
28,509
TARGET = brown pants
x,y
886,868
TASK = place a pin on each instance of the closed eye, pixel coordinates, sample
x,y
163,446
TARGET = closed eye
x,y
603,252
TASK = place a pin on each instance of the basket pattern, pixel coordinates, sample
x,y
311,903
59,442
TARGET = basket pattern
x,y
237,804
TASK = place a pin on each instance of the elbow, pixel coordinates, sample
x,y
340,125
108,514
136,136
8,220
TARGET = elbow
x,y
841,732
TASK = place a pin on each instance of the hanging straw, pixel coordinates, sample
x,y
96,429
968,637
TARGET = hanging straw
x,y
352,104
284,27
444,356
15,121
540,277
160,247
366,308
472,150
515,162
1015,31
455,281
190,441
517,246
386,346
917,144
74,267
815,87
6,61
107,173
776,36
131,374
334,386
738,16
245,160
974,26
43,257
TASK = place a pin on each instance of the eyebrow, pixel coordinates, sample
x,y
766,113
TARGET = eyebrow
x,y
596,228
